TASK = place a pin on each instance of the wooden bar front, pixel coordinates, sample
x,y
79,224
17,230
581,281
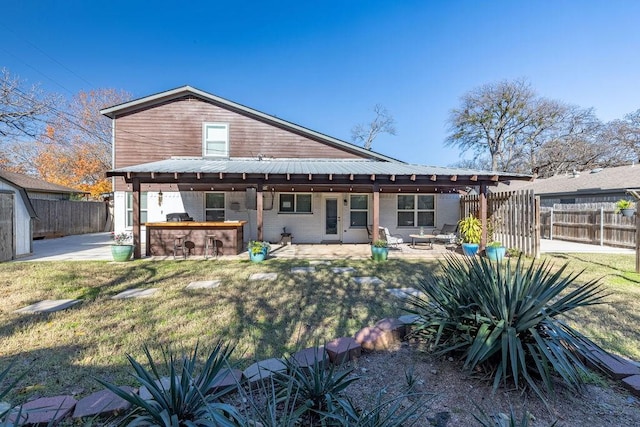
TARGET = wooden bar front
x,y
161,236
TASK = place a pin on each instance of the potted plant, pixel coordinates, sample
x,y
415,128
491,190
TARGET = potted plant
x,y
495,251
625,207
121,250
471,233
379,250
258,250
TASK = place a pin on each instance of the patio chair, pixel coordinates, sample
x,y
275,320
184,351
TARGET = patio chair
x,y
394,240
448,234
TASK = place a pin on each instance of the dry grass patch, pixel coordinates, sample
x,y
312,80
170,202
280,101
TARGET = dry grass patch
x,y
64,350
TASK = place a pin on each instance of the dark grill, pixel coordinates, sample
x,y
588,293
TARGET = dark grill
x,y
178,217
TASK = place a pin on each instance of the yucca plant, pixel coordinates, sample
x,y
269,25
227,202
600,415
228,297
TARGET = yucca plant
x,y
187,400
507,319
385,413
317,385
505,420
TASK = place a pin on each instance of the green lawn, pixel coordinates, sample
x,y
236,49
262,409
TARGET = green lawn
x,y
63,351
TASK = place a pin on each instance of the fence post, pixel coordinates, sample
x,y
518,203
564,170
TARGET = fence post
x,y
601,226
551,225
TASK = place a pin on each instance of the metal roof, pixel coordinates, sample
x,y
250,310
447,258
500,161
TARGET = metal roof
x,y
301,166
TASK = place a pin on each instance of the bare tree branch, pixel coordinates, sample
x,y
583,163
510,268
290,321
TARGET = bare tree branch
x,y
383,122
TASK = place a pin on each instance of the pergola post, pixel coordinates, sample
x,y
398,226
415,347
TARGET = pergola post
x,y
137,244
376,213
259,212
483,215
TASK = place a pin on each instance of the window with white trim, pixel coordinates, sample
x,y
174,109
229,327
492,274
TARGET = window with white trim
x,y
416,210
359,210
143,208
295,203
215,140
214,207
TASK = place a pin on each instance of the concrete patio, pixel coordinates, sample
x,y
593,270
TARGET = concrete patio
x,y
97,247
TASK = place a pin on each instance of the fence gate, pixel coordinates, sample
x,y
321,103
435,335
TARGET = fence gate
x,y
513,218
6,227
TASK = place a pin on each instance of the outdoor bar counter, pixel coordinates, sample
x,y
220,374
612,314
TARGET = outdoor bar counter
x,y
161,236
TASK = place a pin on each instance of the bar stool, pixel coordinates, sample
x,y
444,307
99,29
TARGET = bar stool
x,y
178,245
210,243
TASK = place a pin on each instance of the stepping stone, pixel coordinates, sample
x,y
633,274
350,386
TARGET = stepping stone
x,y
303,270
103,402
318,262
376,339
632,384
394,326
205,284
49,306
308,357
403,293
227,378
263,276
46,410
343,270
263,370
341,350
136,293
368,280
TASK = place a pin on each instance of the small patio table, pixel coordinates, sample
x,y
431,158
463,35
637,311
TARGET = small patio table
x,y
418,237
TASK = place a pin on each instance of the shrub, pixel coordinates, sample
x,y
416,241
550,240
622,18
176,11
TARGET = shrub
x,y
505,319
257,247
470,229
624,204
186,401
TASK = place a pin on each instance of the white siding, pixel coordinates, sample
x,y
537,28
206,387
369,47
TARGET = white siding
x,y
305,228
21,221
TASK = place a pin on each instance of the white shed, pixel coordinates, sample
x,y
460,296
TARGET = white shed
x,y
16,215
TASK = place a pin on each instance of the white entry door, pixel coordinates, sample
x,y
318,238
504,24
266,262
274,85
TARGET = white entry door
x,y
331,220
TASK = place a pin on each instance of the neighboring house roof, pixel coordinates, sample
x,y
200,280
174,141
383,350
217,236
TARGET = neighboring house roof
x,y
162,97
596,181
30,183
300,166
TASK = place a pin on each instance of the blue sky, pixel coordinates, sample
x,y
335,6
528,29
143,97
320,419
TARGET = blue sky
x,y
325,64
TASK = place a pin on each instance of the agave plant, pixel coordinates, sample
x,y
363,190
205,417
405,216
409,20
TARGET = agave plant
x,y
507,319
187,399
316,386
385,413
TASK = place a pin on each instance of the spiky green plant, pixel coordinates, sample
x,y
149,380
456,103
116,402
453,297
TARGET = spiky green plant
x,y
506,319
316,385
385,413
187,401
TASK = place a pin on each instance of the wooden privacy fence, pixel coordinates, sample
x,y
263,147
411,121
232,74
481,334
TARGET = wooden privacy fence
x,y
64,217
512,218
593,223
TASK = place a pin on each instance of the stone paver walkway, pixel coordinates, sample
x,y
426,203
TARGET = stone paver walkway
x,y
204,284
263,276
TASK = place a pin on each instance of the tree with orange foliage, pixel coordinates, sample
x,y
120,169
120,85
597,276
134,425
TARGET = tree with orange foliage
x,y
75,150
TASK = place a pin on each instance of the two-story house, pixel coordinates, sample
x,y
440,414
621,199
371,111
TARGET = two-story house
x,y
185,150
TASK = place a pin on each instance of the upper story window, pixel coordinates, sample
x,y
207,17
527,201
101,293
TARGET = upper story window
x,y
143,208
214,207
295,203
215,140
359,207
416,210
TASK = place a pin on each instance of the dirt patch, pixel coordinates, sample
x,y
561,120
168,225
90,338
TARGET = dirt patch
x,y
450,394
